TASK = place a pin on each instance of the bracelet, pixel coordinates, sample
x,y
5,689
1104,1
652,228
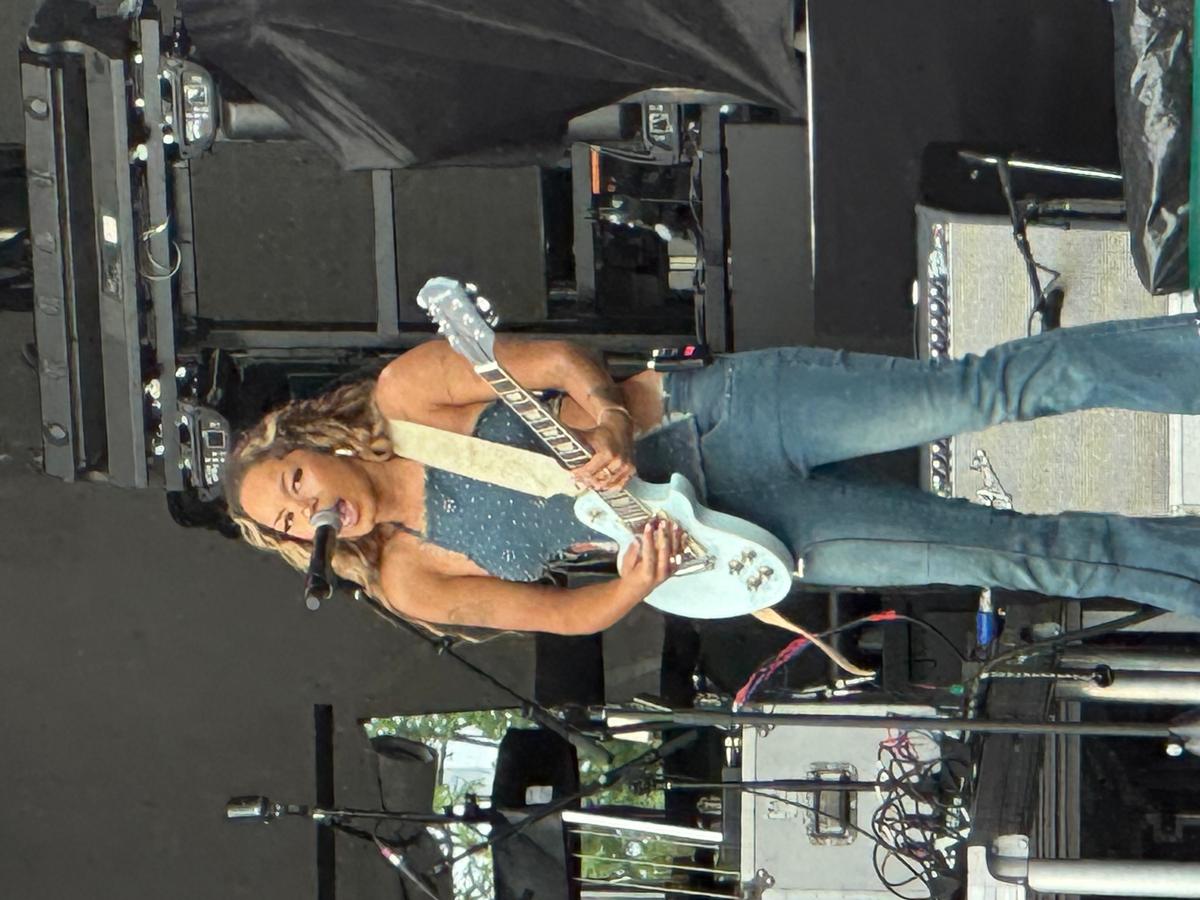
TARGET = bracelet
x,y
617,409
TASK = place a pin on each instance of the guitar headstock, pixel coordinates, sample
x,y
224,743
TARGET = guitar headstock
x,y
465,318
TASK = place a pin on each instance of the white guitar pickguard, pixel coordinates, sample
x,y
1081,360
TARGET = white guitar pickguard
x,y
751,568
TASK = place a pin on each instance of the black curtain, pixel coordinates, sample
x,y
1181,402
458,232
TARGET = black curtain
x,y
393,83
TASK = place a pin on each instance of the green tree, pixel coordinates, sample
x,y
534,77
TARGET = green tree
x,y
604,856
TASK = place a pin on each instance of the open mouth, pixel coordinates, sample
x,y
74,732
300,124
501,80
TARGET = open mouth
x,y
347,513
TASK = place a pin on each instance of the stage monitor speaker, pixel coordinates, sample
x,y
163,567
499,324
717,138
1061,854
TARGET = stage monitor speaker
x,y
533,766
972,293
282,235
482,224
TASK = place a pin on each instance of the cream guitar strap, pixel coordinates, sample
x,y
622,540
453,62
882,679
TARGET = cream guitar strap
x,y
472,457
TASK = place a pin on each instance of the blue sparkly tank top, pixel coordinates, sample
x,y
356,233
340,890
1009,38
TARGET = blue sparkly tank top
x,y
510,534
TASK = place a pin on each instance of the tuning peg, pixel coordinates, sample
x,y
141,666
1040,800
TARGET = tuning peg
x,y
484,304
470,288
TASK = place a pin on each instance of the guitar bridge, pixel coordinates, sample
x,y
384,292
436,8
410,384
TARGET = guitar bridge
x,y
695,560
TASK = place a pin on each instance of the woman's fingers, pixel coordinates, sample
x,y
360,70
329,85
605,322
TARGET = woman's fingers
x,y
633,555
655,554
662,537
590,472
649,554
620,477
604,471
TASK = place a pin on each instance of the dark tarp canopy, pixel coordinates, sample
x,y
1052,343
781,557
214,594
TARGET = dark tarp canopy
x,y
1153,41
394,83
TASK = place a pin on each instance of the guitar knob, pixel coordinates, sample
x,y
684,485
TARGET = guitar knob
x,y
753,582
735,566
748,556
766,572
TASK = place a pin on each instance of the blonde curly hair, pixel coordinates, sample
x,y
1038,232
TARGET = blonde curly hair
x,y
345,422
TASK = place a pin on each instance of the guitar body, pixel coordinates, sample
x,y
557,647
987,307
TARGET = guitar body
x,y
750,569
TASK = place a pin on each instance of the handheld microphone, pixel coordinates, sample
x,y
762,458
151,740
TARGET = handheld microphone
x,y
319,580
260,809
254,809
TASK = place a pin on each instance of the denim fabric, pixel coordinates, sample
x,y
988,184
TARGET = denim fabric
x,y
509,534
775,427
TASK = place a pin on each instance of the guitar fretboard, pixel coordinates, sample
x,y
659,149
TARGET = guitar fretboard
x,y
562,443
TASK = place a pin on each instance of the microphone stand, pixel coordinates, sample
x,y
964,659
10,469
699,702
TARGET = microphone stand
x,y
318,585
319,582
643,764
530,708
1048,300
262,809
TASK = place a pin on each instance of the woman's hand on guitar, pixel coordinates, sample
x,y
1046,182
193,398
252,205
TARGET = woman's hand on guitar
x,y
649,561
611,465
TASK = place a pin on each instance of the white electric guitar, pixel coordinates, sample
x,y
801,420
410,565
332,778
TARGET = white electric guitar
x,y
729,567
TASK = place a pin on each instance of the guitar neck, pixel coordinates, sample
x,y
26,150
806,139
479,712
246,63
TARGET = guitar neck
x,y
570,451
562,443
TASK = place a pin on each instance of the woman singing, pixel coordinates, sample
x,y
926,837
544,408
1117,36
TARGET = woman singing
x,y
758,433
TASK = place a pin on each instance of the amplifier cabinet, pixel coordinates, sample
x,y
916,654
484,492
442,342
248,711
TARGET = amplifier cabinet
x,y
972,292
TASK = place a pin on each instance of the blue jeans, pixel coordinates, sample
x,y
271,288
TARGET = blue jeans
x,y
774,425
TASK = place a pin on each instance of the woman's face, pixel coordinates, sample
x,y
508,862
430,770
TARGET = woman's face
x,y
283,494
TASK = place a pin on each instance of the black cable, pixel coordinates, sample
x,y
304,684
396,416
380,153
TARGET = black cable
x,y
401,866
857,828
936,632
699,272
919,869
909,834
845,626
856,623
379,844
349,829
1143,614
814,811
